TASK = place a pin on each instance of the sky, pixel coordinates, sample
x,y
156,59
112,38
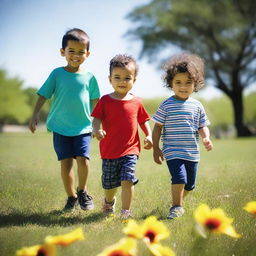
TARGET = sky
x,y
31,33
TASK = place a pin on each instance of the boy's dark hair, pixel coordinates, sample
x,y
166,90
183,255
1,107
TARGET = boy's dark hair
x,y
121,61
76,34
185,62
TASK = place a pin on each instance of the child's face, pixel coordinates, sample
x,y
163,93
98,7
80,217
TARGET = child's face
x,y
122,79
75,54
182,85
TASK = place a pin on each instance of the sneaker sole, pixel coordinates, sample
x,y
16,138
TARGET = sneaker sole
x,y
87,208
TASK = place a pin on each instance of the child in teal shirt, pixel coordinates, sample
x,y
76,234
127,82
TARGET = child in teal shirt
x,y
74,93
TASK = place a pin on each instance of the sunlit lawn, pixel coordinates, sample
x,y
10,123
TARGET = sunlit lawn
x,y
32,195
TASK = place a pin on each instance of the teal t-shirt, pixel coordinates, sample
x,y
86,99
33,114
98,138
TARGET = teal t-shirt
x,y
71,95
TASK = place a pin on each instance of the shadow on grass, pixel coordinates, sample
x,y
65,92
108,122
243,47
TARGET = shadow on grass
x,y
52,218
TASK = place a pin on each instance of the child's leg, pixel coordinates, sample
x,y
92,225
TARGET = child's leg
x,y
82,171
67,176
127,194
110,194
191,169
177,194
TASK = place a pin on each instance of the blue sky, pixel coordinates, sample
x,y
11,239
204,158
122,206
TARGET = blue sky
x,y
31,33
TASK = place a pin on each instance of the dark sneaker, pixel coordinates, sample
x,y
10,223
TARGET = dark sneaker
x,y
85,201
71,204
175,212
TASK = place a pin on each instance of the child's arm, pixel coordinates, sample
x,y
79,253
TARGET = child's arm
x,y
96,129
145,127
157,152
94,102
205,134
35,117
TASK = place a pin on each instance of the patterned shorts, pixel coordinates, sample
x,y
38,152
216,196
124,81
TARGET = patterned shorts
x,y
116,170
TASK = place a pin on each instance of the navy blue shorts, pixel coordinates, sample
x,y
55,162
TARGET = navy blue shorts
x,y
183,172
72,146
116,170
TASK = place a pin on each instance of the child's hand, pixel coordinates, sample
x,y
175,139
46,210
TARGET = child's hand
x,y
207,144
100,134
158,155
33,123
148,144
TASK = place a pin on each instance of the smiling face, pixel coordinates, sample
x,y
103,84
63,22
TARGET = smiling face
x,y
182,85
122,79
75,54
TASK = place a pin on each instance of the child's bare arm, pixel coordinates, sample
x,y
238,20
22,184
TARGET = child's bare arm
x,y
205,134
35,116
145,127
156,135
96,129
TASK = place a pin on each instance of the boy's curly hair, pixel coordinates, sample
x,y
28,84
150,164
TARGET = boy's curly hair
x,y
121,61
185,62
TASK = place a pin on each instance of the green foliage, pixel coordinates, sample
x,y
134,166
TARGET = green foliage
x,y
222,32
31,196
13,101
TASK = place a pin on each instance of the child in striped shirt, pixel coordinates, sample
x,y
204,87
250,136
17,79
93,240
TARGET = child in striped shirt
x,y
180,120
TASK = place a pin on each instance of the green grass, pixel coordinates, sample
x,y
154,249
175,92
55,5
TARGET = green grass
x,y
31,196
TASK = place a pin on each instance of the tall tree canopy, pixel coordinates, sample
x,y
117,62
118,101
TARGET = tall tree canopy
x,y
223,32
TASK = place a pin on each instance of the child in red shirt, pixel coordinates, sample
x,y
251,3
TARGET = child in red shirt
x,y
119,114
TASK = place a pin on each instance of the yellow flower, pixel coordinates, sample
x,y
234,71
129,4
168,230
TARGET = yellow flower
x,y
37,250
159,250
153,230
132,229
215,220
66,239
125,247
251,207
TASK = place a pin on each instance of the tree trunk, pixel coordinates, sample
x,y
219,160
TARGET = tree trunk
x,y
237,101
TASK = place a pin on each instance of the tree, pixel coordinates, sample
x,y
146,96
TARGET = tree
x,y
13,102
223,32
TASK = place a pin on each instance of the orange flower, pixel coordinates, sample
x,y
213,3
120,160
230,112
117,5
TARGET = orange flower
x,y
66,239
251,207
215,220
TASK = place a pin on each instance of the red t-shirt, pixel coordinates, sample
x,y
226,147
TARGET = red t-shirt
x,y
120,119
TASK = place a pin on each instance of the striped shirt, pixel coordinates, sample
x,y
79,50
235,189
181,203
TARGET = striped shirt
x,y
181,121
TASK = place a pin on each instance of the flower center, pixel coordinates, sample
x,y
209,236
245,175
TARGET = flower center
x,y
117,253
150,235
41,252
212,224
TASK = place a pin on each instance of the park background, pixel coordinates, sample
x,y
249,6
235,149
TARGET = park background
x,y
31,33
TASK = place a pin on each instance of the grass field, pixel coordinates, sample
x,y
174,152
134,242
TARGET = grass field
x,y
32,195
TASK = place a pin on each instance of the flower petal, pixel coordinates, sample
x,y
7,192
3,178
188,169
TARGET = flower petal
x,y
46,249
125,247
66,239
